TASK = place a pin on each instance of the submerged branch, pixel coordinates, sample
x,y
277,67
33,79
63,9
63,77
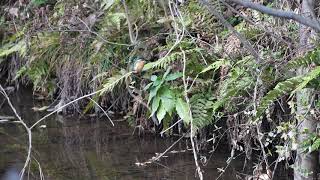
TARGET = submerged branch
x,y
67,104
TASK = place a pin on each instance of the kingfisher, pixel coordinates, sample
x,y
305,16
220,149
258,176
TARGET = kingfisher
x,y
137,64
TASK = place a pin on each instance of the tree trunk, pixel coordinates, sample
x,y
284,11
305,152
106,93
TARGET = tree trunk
x,y
306,163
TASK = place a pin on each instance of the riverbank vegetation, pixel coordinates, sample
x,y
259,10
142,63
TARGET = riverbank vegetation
x,y
244,71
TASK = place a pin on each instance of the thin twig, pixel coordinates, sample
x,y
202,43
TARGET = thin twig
x,y
170,126
163,153
65,105
102,110
191,119
262,147
179,36
3,92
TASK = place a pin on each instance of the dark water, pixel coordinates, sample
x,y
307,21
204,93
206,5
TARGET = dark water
x,y
90,148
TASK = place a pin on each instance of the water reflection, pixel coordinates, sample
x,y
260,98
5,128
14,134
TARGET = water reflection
x,y
11,174
89,148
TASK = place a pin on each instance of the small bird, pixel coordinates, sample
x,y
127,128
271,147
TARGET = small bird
x,y
138,66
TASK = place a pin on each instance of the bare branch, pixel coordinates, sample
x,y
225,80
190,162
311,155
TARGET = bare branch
x,y
270,32
97,104
245,42
313,23
28,159
192,133
132,39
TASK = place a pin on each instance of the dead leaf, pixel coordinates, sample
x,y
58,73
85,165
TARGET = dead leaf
x,y
165,20
40,108
91,20
14,12
98,46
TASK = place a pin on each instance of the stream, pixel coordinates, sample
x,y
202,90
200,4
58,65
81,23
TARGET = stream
x,y
72,147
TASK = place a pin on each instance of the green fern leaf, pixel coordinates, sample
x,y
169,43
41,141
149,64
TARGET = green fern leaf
x,y
316,145
232,88
312,57
201,110
113,81
216,65
308,78
165,61
8,49
291,86
281,89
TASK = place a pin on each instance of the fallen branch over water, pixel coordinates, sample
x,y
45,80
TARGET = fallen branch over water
x,y
20,121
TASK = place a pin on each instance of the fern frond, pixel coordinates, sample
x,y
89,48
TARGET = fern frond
x,y
281,89
308,78
291,86
204,82
113,81
312,57
165,61
8,49
201,110
232,88
216,65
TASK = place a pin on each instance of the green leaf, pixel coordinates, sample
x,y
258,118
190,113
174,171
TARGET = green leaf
x,y
167,92
39,2
216,65
153,78
316,145
148,66
174,76
153,93
161,112
113,81
312,57
157,82
201,106
115,19
168,103
155,105
183,110
281,88
21,72
164,62
168,99
147,86
166,73
291,85
309,77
